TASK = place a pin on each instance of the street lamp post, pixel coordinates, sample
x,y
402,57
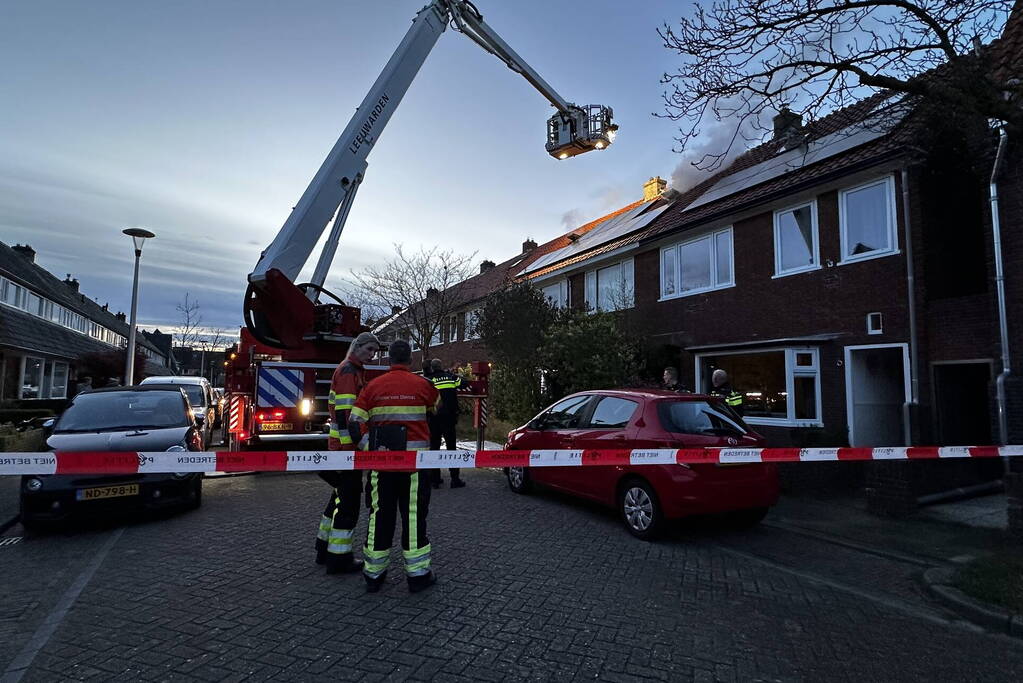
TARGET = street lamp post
x,y
138,236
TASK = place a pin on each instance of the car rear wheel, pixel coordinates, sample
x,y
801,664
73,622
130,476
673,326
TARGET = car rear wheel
x,y
640,509
518,480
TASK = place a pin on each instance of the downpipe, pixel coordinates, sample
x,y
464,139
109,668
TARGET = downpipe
x,y
962,493
914,359
1003,325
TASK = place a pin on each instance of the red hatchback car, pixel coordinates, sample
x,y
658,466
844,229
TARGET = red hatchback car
x,y
647,495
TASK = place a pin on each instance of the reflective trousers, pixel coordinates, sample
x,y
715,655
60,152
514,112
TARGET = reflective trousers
x,y
341,514
443,428
390,495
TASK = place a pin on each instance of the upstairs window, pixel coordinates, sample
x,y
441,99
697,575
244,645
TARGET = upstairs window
x,y
610,288
867,219
796,245
557,293
698,265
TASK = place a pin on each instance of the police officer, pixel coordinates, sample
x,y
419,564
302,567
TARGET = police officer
x,y
334,539
397,402
671,382
722,387
443,425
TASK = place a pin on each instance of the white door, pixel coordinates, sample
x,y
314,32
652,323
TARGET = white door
x,y
876,388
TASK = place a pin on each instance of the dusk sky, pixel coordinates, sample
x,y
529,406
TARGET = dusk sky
x,y
204,122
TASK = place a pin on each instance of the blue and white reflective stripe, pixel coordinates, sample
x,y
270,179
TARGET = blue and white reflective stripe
x,y
280,388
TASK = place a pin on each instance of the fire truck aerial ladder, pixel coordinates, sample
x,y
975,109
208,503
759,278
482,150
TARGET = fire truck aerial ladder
x,y
279,313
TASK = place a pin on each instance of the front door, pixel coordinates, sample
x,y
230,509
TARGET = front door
x,y
876,389
961,403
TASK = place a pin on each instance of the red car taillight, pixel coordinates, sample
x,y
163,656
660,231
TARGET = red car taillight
x,y
270,416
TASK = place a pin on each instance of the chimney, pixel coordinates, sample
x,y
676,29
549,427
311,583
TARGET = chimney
x,y
395,310
786,123
653,188
26,251
431,292
487,265
71,282
121,316
528,245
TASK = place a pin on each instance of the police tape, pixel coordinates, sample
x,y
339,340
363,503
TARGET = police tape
x,y
131,462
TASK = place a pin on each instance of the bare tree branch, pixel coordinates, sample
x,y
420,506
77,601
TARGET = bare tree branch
x,y
744,60
422,284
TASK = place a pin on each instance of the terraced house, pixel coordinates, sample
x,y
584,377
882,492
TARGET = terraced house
x,y
844,273
47,324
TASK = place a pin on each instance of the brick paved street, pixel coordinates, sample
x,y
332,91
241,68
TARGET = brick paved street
x,y
536,588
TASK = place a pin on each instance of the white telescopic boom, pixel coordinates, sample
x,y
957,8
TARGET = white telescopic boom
x,y
341,170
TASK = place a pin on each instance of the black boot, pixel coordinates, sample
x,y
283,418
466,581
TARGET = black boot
x,y
321,551
457,483
421,583
343,564
374,585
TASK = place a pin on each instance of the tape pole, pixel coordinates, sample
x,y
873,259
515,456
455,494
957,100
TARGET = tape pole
x,y
130,462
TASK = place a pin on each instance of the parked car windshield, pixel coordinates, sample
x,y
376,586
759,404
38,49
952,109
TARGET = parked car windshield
x,y
118,410
195,395
700,417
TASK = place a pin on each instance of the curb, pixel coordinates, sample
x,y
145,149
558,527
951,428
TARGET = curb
x,y
938,582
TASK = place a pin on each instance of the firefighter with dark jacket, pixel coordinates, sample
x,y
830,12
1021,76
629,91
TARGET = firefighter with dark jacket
x,y
723,388
337,525
443,425
391,414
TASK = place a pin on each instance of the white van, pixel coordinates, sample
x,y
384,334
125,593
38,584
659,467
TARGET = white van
x,y
200,396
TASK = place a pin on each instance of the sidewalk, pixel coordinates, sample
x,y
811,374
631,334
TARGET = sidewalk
x,y
944,532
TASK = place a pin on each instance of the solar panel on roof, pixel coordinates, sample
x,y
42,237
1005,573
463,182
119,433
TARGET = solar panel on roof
x,y
800,157
608,230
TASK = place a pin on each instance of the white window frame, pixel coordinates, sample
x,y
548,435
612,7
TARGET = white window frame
x,y
791,372
21,379
591,289
893,231
715,281
561,301
471,317
816,265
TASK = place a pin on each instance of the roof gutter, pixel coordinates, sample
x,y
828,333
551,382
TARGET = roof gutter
x,y
1003,323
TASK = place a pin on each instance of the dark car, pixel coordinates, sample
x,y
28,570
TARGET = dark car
x,y
138,418
647,495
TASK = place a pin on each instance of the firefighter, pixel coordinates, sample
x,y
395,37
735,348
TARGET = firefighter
x,y
722,387
443,425
393,407
334,539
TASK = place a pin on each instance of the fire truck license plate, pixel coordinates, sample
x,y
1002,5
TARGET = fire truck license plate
x,y
107,492
276,427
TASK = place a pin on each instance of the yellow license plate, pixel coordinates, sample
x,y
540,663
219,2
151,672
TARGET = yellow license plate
x,y
108,492
276,427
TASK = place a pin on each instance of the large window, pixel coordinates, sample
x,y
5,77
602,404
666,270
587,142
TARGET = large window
x,y
557,293
796,248
610,288
472,319
867,219
32,378
779,386
698,265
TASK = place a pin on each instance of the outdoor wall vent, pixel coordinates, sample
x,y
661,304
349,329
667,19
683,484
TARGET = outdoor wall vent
x,y
875,323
